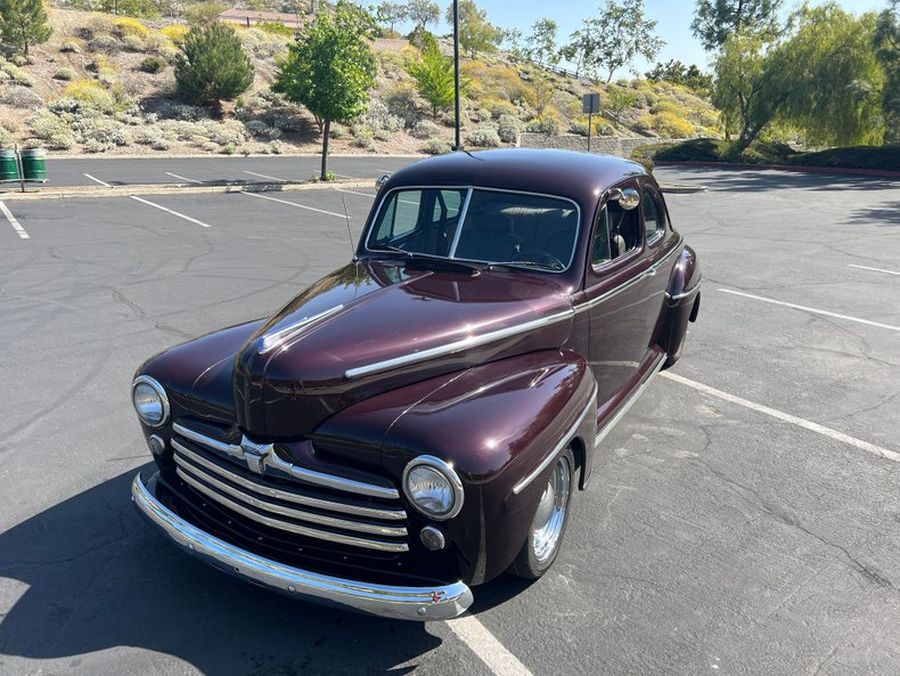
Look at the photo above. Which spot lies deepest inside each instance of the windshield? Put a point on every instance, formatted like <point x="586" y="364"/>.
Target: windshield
<point x="487" y="226"/>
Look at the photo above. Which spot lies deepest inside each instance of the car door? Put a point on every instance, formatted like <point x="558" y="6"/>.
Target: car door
<point x="662" y="245"/>
<point x="618" y="296"/>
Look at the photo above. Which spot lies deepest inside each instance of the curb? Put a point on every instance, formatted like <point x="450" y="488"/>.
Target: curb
<point x="177" y="189"/>
<point x="797" y="168"/>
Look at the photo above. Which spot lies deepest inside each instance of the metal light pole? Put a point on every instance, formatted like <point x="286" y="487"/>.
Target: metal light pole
<point x="458" y="144"/>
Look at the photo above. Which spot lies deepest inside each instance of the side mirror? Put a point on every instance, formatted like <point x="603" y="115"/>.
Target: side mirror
<point x="381" y="180"/>
<point x="628" y="199"/>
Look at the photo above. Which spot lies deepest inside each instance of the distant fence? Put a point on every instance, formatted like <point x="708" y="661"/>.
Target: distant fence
<point x="604" y="145"/>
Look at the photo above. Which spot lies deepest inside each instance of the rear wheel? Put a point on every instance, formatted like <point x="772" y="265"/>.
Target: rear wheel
<point x="548" y="526"/>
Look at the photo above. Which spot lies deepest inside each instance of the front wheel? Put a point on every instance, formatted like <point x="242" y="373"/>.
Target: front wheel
<point x="549" y="523"/>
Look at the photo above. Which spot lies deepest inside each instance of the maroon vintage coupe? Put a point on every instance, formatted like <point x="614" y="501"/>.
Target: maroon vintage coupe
<point x="416" y="422"/>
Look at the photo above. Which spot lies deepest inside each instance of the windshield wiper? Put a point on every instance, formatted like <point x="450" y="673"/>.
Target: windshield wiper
<point x="526" y="264"/>
<point x="421" y="258"/>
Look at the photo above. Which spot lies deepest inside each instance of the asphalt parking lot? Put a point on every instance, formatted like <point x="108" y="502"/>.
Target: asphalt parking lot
<point x="743" y="517"/>
<point x="86" y="171"/>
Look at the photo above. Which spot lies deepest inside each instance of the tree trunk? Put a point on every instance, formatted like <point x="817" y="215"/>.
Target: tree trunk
<point x="327" y="129"/>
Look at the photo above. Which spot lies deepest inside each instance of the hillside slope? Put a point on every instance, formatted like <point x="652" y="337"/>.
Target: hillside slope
<point x="105" y="84"/>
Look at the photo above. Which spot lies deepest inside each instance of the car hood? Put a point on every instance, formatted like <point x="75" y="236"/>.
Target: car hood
<point x="374" y="326"/>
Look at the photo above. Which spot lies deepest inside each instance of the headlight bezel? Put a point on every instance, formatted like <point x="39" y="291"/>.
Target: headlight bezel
<point x="445" y="470"/>
<point x="160" y="391"/>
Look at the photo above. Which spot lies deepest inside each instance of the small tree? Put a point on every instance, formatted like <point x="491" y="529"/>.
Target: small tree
<point x="620" y="33"/>
<point x="476" y="34"/>
<point x="433" y="73"/>
<point x="423" y="12"/>
<point x="676" y="72"/>
<point x="204" y="13"/>
<point x="716" y="20"/>
<point x="213" y="66"/>
<point x="390" y="13"/>
<point x="24" y="23"/>
<point x="542" y="42"/>
<point x="330" y="68"/>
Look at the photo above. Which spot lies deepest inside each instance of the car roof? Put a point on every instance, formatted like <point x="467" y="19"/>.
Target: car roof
<point x="579" y="176"/>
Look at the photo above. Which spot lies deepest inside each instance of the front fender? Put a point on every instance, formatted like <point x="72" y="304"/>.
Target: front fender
<point x="495" y="423"/>
<point x="681" y="304"/>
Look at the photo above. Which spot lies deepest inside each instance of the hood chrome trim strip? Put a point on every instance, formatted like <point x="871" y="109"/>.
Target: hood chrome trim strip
<point x="281" y="337"/>
<point x="458" y="345"/>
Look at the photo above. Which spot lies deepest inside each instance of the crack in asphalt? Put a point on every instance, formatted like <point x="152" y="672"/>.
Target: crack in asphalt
<point x="752" y="497"/>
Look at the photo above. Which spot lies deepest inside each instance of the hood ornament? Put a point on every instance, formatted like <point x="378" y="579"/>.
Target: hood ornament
<point x="255" y="454"/>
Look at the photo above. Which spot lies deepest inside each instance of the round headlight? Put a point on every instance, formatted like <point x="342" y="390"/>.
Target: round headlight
<point x="150" y="401"/>
<point x="433" y="487"/>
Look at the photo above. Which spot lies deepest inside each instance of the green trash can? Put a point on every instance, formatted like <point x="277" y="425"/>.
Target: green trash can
<point x="34" y="165"/>
<point x="9" y="168"/>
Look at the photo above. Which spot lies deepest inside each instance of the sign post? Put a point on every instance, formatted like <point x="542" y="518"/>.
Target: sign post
<point x="590" y="104"/>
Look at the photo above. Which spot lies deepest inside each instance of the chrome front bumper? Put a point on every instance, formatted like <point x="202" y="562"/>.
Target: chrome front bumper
<point x="401" y="603"/>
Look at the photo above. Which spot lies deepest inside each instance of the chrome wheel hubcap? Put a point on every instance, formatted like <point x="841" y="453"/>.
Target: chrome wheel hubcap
<point x="551" y="512"/>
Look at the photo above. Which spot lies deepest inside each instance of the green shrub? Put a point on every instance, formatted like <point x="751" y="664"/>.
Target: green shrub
<point x="21" y="97"/>
<point x="202" y="14"/>
<point x="65" y="74"/>
<point x="72" y="46"/>
<point x="401" y="102"/>
<point x="508" y="128"/>
<point x="425" y="129"/>
<point x="338" y="132"/>
<point x="153" y="64"/>
<point x="92" y="93"/>
<point x="276" y="28"/>
<point x="671" y="125"/>
<point x="437" y="146"/>
<point x="213" y="65"/>
<point x="484" y="136"/>
<point x="132" y="43"/>
<point x="544" y="124"/>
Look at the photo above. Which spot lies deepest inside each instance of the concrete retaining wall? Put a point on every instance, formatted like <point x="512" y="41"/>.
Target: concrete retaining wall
<point x="606" y="145"/>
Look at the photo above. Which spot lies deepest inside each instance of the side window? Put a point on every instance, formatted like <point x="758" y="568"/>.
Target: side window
<point x="654" y="216"/>
<point x="406" y="212"/>
<point x="618" y="232"/>
<point x="600" y="249"/>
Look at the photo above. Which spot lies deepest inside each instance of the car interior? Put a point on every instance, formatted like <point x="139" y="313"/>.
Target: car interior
<point x="618" y="232"/>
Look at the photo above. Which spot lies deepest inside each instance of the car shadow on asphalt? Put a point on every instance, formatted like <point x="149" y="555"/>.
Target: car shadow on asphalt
<point x="96" y="576"/>
<point x="761" y="180"/>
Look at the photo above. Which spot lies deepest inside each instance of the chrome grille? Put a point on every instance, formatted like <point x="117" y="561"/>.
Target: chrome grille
<point x="299" y="506"/>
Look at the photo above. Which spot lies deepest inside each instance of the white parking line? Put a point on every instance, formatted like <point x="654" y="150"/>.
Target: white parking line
<point x="271" y="178"/>
<point x="97" y="180"/>
<point x="812" y="310"/>
<point x="354" y="192"/>
<point x="168" y="211"/>
<point x="293" y="204"/>
<point x="865" y="267"/>
<point x="486" y="646"/>
<point x="183" y="178"/>
<point x="786" y="417"/>
<point x="20" y="231"/>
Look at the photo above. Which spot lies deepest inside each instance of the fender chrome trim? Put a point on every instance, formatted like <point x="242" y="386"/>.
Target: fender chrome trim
<point x="563" y="443"/>
<point x="458" y="345"/>
<point x="441" y="602"/>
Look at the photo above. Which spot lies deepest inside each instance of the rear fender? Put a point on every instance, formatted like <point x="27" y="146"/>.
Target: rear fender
<point x="682" y="302"/>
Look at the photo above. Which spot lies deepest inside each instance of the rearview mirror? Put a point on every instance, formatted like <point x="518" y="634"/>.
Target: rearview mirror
<point x="628" y="199"/>
<point x="381" y="180"/>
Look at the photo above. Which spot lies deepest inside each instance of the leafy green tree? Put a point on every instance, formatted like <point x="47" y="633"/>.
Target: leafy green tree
<point x="676" y="72"/>
<point x="433" y="73"/>
<point x="476" y="34"/>
<point x="577" y="50"/>
<point x="822" y="78"/>
<point x="213" y="66"/>
<point x="887" y="49"/>
<point x="423" y="12"/>
<point x="391" y="13"/>
<point x="542" y="42"/>
<point x="331" y="68"/>
<point x="511" y="38"/>
<point x="715" y="20"/>
<point x="620" y="33"/>
<point x="24" y="23"/>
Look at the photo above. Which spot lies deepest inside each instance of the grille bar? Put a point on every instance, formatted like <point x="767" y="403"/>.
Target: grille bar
<point x="300" y="474"/>
<point x="290" y="512"/>
<point x="267" y="490"/>
<point x="385" y="546"/>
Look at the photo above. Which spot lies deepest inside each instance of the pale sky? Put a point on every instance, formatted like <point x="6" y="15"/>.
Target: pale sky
<point x="673" y="20"/>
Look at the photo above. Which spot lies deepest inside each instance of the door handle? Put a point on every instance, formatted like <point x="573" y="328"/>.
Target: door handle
<point x="651" y="272"/>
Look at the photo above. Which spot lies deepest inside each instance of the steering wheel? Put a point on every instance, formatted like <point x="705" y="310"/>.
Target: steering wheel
<point x="543" y="257"/>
